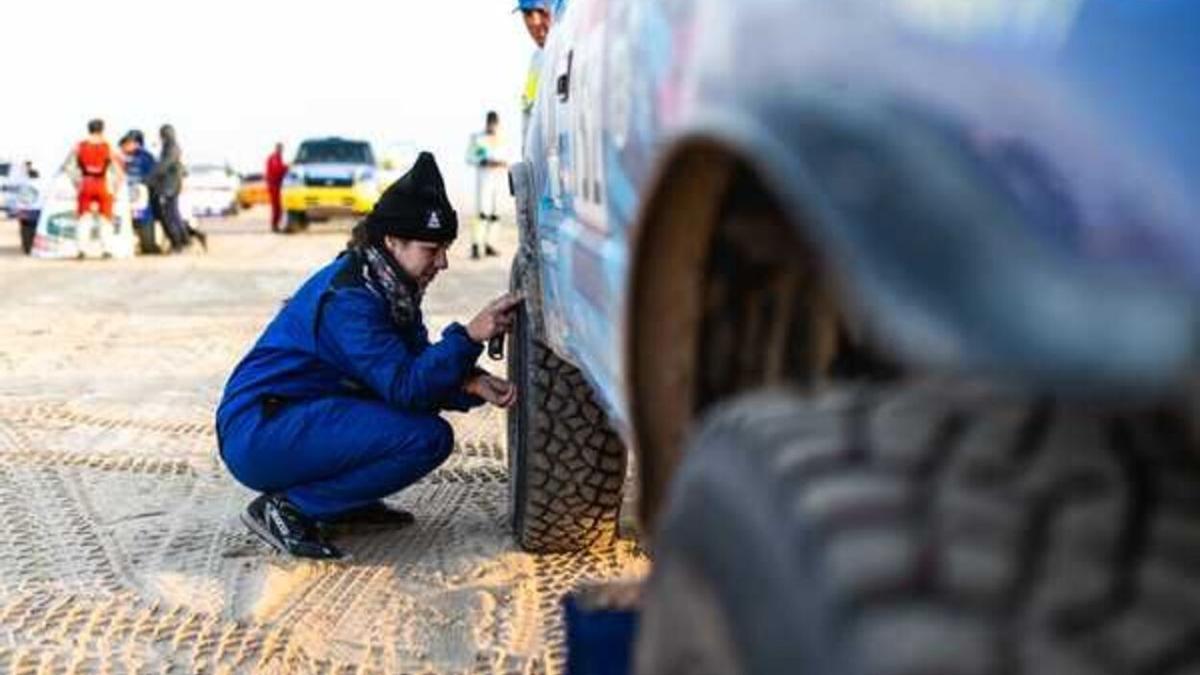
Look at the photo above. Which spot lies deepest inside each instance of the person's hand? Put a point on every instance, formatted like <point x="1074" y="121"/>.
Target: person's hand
<point x="494" y="390"/>
<point x="495" y="319"/>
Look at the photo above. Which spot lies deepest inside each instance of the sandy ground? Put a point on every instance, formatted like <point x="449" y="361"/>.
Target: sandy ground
<point x="120" y="548"/>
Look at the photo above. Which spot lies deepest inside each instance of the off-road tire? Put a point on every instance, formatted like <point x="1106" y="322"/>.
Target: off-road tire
<point x="929" y="529"/>
<point x="566" y="465"/>
<point x="295" y="221"/>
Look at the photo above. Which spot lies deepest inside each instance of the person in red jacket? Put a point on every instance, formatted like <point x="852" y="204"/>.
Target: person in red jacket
<point x="276" y="170"/>
<point x="89" y="164"/>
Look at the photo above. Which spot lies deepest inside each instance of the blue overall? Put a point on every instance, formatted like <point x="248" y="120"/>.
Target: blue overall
<point x="335" y="405"/>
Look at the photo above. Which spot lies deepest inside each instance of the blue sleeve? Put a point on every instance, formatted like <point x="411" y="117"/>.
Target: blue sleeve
<point x="463" y="402"/>
<point x="460" y="400"/>
<point x="360" y="339"/>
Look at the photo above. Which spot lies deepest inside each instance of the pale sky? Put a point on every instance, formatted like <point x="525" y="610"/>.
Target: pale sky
<point x="235" y="76"/>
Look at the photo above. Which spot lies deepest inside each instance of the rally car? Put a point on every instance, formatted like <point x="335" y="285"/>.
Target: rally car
<point x="330" y="177"/>
<point x="55" y="208"/>
<point x="896" y="304"/>
<point x="252" y="190"/>
<point x="8" y="189"/>
<point x="212" y="190"/>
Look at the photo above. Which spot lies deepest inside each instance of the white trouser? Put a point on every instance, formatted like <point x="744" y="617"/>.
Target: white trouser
<point x="488" y="185"/>
<point x="83" y="233"/>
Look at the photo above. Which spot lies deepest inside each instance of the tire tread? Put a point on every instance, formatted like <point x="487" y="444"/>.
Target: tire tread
<point x="998" y="535"/>
<point x="571" y="463"/>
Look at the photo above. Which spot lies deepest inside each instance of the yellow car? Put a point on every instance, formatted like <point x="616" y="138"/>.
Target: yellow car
<point x="330" y="177"/>
<point x="252" y="191"/>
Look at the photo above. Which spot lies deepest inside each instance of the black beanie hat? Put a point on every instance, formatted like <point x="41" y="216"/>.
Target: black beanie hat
<point x="415" y="206"/>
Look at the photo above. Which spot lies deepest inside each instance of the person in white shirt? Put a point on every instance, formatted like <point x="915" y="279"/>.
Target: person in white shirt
<point x="485" y="153"/>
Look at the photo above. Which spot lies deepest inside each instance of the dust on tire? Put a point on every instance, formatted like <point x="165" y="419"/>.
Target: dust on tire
<point x="567" y="465"/>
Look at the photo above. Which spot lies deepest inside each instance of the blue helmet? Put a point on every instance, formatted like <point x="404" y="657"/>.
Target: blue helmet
<point x="530" y="5"/>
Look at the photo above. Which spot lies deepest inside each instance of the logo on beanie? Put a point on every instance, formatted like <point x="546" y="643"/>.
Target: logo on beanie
<point x="434" y="223"/>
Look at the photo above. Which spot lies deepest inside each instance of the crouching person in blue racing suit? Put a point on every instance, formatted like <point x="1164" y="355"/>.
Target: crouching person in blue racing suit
<point x="337" y="404"/>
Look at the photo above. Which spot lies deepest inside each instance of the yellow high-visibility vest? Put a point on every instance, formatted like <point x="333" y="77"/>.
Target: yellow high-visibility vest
<point x="529" y="95"/>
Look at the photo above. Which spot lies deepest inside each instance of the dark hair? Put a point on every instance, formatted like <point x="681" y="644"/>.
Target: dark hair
<point x="360" y="236"/>
<point x="95" y="126"/>
<point x="492" y="117"/>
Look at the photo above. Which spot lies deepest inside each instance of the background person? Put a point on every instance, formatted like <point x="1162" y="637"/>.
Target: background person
<point x="89" y="165"/>
<point x="484" y="152"/>
<point x="537" y="17"/>
<point x="166" y="182"/>
<point x="139" y="163"/>
<point x="275" y="172"/>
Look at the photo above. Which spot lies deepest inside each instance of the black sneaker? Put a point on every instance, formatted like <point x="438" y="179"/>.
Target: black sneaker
<point x="376" y="513"/>
<point x="489" y="251"/>
<point x="279" y="523"/>
<point x="474" y="252"/>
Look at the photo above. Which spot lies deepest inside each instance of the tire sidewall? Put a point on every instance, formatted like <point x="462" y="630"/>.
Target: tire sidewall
<point x="519" y="415"/>
<point x="725" y="526"/>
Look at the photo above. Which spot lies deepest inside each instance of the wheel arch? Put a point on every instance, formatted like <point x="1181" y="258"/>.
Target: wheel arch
<point x="932" y="264"/>
<point x="669" y="245"/>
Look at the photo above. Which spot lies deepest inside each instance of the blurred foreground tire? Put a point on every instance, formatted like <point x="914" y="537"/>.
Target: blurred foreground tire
<point x="928" y="530"/>
<point x="566" y="465"/>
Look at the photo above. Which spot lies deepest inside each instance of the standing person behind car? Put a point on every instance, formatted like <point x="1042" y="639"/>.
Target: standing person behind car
<point x="337" y="404"/>
<point x="139" y="163"/>
<point x="484" y="152"/>
<point x="88" y="165"/>
<point x="276" y="170"/>
<point x="538" y="17"/>
<point x="166" y="182"/>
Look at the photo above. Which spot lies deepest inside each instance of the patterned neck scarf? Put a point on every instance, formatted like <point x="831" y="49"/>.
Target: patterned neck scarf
<point x="387" y="278"/>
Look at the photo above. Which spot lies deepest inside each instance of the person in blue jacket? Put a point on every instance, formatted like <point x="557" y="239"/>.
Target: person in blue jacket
<point x="337" y="404"/>
<point x="139" y="164"/>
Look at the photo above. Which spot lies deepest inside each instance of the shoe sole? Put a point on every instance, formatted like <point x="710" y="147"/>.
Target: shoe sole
<point x="263" y="533"/>
<point x="279" y="547"/>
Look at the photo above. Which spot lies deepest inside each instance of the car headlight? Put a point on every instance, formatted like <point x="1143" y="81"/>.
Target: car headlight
<point x="293" y="178"/>
<point x="366" y="177"/>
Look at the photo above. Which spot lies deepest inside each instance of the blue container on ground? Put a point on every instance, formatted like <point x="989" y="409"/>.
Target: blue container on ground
<point x="599" y="641"/>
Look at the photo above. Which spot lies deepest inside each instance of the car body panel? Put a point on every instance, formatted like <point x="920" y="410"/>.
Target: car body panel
<point x="1049" y="148"/>
<point x="252" y="190"/>
<point x="324" y="183"/>
<point x="55" y="236"/>
<point x="212" y="190"/>
<point x="8" y="189"/>
<point x="328" y="200"/>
